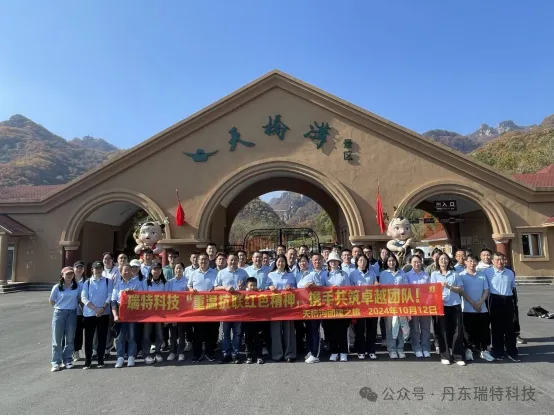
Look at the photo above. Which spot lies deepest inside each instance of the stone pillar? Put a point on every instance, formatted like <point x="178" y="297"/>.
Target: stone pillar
<point x="69" y="252"/>
<point x="502" y="246"/>
<point x="4" y="259"/>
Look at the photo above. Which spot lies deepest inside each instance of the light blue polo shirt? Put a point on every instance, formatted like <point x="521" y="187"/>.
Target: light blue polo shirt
<point x="228" y="277"/>
<point x="120" y="285"/>
<point x="140" y="283"/>
<point x="459" y="268"/>
<point x="145" y="270"/>
<point x="260" y="275"/>
<point x="392" y="278"/>
<point x="452" y="277"/>
<point x="318" y="278"/>
<point x="300" y="275"/>
<point x="80" y="289"/>
<point x="337" y="278"/>
<point x="474" y="286"/>
<point x="501" y="282"/>
<point x="348" y="268"/>
<point x="202" y="281"/>
<point x="414" y="278"/>
<point x="66" y="298"/>
<point x="376" y="268"/>
<point x="177" y="284"/>
<point x="154" y="287"/>
<point x="281" y="279"/>
<point x="360" y="278"/>
<point x="98" y="292"/>
<point x="189" y="270"/>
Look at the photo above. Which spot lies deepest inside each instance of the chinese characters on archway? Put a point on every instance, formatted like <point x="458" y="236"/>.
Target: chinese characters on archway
<point x="318" y="133"/>
<point x="318" y="303"/>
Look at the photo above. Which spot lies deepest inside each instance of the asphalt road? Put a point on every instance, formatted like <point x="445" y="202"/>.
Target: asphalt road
<point x="28" y="386"/>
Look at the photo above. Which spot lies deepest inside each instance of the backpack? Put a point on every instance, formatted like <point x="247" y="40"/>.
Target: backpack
<point x="540" y="312"/>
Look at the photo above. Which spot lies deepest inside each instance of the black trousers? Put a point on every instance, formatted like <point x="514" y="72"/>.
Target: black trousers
<point x="335" y="335"/>
<point x="366" y="333"/>
<point x="476" y="330"/>
<point x="517" y="328"/>
<point x="300" y="329"/>
<point x="180" y="331"/>
<point x="139" y="330"/>
<point x="449" y="332"/>
<point x="383" y="329"/>
<point x="254" y="336"/>
<point x="207" y="332"/>
<point x="501" y="310"/>
<point x="96" y="324"/>
<point x="79" y="332"/>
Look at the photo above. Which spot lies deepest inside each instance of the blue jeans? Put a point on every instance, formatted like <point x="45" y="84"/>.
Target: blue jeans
<point x="236" y="327"/>
<point x="312" y="336"/>
<point x="126" y="330"/>
<point x="64" y="324"/>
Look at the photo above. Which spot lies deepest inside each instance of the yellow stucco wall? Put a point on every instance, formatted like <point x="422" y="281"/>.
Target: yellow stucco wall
<point x="377" y="159"/>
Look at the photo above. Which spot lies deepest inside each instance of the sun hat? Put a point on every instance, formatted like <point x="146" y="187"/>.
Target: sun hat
<point x="334" y="256"/>
<point x="134" y="263"/>
<point x="67" y="269"/>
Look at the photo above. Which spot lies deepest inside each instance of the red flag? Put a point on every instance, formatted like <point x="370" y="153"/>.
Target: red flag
<point x="180" y="215"/>
<point x="380" y="219"/>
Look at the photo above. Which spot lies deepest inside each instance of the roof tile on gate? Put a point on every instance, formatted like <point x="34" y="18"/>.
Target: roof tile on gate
<point x="13" y="227"/>
<point x="26" y="192"/>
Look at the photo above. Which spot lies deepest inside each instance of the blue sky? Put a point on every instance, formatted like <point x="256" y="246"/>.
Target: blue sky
<point x="125" y="70"/>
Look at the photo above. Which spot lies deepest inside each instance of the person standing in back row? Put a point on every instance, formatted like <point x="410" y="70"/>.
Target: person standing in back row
<point x="96" y="297"/>
<point x="501" y="309"/>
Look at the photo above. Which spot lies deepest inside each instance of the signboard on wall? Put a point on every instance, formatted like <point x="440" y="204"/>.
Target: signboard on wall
<point x="445" y="206"/>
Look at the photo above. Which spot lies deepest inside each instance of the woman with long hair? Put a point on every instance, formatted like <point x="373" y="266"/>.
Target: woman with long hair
<point x="420" y="326"/>
<point x="449" y="327"/>
<point x="64" y="298"/>
<point x="282" y="332"/>
<point x="155" y="283"/>
<point x="365" y="328"/>
<point x="141" y="280"/>
<point x="79" y="269"/>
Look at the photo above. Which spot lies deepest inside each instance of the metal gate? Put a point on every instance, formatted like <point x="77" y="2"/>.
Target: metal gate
<point x="268" y="239"/>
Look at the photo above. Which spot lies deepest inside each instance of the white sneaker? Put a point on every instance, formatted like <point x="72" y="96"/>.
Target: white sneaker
<point x="265" y="351"/>
<point x="419" y="354"/>
<point x="334" y="357"/>
<point x="308" y="355"/>
<point x="343" y="358"/>
<point x="401" y="355"/>
<point x="372" y="356"/>
<point x="461" y="362"/>
<point x="445" y="361"/>
<point x="438" y="350"/>
<point x="393" y="355"/>
<point x="159" y="358"/>
<point x="188" y="346"/>
<point x="149" y="360"/>
<point x="131" y="361"/>
<point x="75" y="356"/>
<point x="426" y="354"/>
<point x="170" y="357"/>
<point x="119" y="363"/>
<point x="69" y="366"/>
<point x="312" y="360"/>
<point x="55" y="367"/>
<point x="361" y="356"/>
<point x="181" y="357"/>
<point x="152" y="349"/>
<point x="485" y="355"/>
<point x="469" y="355"/>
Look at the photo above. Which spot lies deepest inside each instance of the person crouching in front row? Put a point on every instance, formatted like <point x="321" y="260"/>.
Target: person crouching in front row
<point x="253" y="331"/>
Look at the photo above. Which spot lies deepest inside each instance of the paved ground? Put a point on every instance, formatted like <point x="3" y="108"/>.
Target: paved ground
<point x="28" y="386"/>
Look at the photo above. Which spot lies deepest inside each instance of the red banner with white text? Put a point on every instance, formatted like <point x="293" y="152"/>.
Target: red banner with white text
<point x="314" y="303"/>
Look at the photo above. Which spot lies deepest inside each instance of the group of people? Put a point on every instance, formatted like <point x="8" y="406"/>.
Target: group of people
<point x="479" y="295"/>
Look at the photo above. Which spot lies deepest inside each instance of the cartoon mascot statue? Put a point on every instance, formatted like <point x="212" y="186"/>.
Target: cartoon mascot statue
<point x="400" y="230"/>
<point x="147" y="235"/>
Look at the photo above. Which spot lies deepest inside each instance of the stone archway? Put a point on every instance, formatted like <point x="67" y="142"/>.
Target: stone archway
<point x="232" y="185"/>
<point x="493" y="210"/>
<point x="70" y="234"/>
